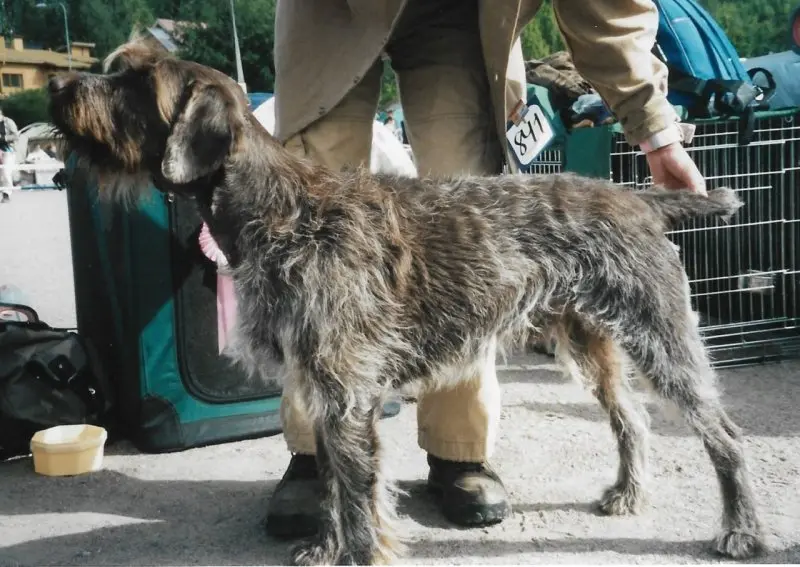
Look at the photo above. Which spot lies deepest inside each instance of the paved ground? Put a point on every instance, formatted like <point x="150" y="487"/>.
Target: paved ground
<point x="555" y="453"/>
<point x="35" y="253"/>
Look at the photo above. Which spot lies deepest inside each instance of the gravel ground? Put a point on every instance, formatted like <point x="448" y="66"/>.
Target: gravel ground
<point x="555" y="454"/>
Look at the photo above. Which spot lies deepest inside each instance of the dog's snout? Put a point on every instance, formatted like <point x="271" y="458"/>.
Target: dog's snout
<point x="60" y="82"/>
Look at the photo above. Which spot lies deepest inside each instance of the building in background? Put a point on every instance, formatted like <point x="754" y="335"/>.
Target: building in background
<point x="22" y="68"/>
<point x="165" y="35"/>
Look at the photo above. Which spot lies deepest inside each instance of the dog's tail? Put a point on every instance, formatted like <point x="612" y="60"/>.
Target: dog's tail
<point x="679" y="206"/>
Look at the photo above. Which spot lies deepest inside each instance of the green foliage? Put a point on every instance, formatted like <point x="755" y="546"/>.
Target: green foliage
<point x="107" y="24"/>
<point x="756" y="27"/>
<point x="213" y="45"/>
<point x="26" y="107"/>
<point x="542" y="37"/>
<point x="389" y="91"/>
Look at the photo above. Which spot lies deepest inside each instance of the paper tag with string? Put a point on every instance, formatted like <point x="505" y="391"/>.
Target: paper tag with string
<point x="530" y="132"/>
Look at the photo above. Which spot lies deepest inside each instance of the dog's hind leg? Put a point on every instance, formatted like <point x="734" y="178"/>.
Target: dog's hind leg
<point x="596" y="360"/>
<point x="355" y="527"/>
<point x="671" y="356"/>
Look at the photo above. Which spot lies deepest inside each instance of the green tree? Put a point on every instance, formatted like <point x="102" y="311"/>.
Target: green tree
<point x="212" y="44"/>
<point x="389" y="91"/>
<point x="104" y="23"/>
<point x="757" y="27"/>
<point x="27" y="106"/>
<point x="541" y="36"/>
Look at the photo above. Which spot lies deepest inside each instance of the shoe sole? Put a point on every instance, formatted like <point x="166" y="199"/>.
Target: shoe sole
<point x="472" y="515"/>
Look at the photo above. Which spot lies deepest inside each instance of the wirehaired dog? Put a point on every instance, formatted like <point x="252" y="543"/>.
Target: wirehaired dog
<point x="361" y="283"/>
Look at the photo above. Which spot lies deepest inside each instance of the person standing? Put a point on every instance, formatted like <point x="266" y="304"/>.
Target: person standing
<point x="9" y="134"/>
<point x="460" y="74"/>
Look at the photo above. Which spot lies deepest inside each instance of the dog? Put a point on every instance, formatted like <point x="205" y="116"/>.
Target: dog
<point x="360" y="284"/>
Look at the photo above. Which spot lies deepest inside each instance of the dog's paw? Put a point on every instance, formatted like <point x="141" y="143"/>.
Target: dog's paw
<point x="313" y="552"/>
<point x="739" y="544"/>
<point x="621" y="500"/>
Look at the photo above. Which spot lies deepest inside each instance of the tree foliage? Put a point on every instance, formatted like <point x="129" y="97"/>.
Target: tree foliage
<point x="756" y="27"/>
<point x="213" y="44"/>
<point x="104" y="23"/>
<point x="541" y="37"/>
<point x="26" y="107"/>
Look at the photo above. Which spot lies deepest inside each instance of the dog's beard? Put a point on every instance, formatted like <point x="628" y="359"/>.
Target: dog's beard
<point x="117" y="187"/>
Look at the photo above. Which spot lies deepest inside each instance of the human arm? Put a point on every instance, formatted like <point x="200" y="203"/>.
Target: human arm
<point x="611" y="45"/>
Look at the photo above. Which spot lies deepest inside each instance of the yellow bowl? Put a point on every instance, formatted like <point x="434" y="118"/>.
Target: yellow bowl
<point x="68" y="450"/>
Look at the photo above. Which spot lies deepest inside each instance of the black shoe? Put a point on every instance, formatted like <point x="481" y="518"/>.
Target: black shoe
<point x="294" y="508"/>
<point x="471" y="493"/>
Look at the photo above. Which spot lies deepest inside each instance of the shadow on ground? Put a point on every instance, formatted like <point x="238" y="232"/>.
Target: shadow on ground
<point x="416" y="502"/>
<point x="760" y="399"/>
<point x="166" y="522"/>
<point x="626" y="547"/>
<point x="122" y="520"/>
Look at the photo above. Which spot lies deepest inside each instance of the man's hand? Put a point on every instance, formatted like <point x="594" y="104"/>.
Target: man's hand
<point x="672" y="168"/>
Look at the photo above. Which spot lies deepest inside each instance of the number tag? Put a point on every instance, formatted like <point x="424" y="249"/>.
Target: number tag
<point x="532" y="135"/>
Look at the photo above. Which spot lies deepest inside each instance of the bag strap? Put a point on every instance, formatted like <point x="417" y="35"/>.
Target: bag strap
<point x="703" y="89"/>
<point x="769" y="90"/>
<point x="678" y="79"/>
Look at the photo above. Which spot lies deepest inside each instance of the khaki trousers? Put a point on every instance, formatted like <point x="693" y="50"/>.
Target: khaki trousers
<point x="436" y="54"/>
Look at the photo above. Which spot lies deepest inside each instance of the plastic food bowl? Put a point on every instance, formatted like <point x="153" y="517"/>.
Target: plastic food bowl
<point x="68" y="450"/>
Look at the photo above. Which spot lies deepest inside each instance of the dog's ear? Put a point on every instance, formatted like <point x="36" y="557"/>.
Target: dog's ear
<point x="134" y="54"/>
<point x="205" y="130"/>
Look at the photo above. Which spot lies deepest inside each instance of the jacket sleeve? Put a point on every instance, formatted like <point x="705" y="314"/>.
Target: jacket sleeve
<point x="611" y="45"/>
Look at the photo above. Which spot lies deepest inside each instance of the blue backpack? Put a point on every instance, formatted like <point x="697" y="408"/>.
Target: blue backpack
<point x="705" y="74"/>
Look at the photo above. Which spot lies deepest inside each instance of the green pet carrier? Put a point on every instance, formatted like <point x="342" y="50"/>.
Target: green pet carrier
<point x="146" y="299"/>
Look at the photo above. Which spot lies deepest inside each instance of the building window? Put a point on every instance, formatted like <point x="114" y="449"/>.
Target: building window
<point x="13" y="81"/>
<point x="9" y="41"/>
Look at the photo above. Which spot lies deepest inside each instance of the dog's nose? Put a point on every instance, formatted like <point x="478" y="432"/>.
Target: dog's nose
<point x="60" y="82"/>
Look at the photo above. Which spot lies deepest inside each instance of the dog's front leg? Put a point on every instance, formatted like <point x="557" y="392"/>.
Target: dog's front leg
<point x="356" y="512"/>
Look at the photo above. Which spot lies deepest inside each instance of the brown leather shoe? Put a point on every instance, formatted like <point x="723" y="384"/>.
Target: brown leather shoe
<point x="294" y="508"/>
<point x="471" y="493"/>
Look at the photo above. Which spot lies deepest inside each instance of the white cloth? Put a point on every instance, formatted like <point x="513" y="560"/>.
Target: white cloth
<point x="388" y="153"/>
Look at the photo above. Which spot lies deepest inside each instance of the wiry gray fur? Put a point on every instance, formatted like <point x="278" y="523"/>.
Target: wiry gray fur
<point x="360" y="283"/>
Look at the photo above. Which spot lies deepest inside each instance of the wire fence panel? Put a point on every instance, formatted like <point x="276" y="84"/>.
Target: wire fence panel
<point x="744" y="274"/>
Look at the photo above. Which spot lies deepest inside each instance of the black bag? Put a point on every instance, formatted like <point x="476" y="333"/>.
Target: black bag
<point x="48" y="377"/>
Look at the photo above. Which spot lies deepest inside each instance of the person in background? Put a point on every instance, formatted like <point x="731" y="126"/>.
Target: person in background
<point x="9" y="134"/>
<point x="460" y="74"/>
<point x="51" y="151"/>
<point x="392" y="125"/>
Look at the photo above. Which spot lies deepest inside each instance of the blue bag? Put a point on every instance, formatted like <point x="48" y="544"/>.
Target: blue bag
<point x="706" y="76"/>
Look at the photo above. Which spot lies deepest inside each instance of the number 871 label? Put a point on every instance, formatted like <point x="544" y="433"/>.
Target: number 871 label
<point x="530" y="136"/>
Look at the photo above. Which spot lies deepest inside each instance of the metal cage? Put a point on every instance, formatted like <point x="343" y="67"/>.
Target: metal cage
<point x="744" y="274"/>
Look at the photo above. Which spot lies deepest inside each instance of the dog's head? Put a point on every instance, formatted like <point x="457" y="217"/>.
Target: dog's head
<point x="150" y="114"/>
